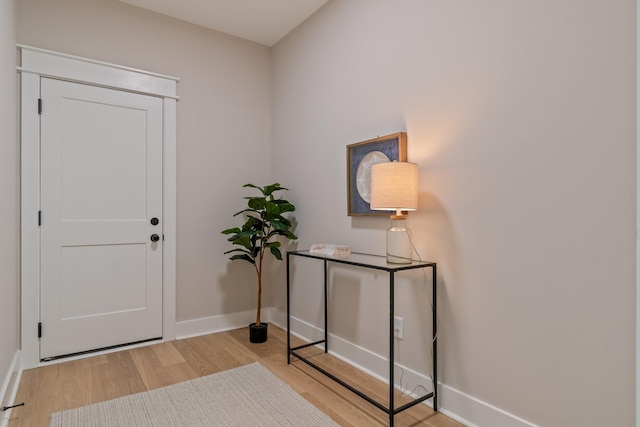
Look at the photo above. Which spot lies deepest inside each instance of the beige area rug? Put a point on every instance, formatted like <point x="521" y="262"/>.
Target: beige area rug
<point x="247" y="396"/>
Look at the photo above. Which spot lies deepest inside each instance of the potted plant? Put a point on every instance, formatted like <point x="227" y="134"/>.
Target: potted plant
<point x="258" y="236"/>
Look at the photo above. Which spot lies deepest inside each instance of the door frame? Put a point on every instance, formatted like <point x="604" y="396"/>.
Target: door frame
<point x="34" y="64"/>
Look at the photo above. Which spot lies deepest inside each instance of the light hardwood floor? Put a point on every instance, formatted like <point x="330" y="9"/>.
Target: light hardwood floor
<point x="77" y="383"/>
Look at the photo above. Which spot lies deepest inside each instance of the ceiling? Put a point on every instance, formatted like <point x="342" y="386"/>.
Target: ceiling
<point x="261" y="21"/>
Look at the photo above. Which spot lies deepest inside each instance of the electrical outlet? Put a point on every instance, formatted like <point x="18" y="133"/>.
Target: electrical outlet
<point x="398" y="327"/>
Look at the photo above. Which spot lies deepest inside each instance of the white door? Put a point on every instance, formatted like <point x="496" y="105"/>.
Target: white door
<point x="101" y="186"/>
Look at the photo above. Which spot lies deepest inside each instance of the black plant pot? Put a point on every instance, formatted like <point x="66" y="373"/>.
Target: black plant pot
<point x="258" y="333"/>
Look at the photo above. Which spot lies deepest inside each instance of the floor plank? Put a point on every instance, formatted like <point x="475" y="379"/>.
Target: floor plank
<point x="67" y="385"/>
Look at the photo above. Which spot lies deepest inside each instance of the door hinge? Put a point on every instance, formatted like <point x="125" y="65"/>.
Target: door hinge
<point x="39" y="105"/>
<point x="39" y="218"/>
<point x="39" y="329"/>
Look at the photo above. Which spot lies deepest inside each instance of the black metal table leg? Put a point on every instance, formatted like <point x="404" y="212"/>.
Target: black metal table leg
<point x="288" y="315"/>
<point x="435" y="338"/>
<point x="391" y="352"/>
<point x="326" y="321"/>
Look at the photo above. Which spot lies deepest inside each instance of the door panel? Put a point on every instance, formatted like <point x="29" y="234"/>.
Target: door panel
<point x="101" y="183"/>
<point x="91" y="287"/>
<point x="104" y="175"/>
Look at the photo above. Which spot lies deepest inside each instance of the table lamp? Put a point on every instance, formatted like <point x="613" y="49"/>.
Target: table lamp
<point x="394" y="187"/>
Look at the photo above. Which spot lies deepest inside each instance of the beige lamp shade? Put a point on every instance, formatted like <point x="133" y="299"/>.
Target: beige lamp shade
<point x="394" y="186"/>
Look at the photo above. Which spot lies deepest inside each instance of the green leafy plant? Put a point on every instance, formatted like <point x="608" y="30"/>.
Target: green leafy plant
<point x="264" y="223"/>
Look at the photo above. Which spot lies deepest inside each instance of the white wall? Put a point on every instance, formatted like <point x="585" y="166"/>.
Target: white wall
<point x="521" y="116"/>
<point x="9" y="223"/>
<point x="223" y="125"/>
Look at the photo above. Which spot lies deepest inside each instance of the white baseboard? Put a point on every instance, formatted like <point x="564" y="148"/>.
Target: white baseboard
<point x="221" y="323"/>
<point x="474" y="412"/>
<point x="455" y="404"/>
<point x="9" y="389"/>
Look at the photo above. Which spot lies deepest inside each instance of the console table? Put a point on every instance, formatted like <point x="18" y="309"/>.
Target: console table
<point x="377" y="263"/>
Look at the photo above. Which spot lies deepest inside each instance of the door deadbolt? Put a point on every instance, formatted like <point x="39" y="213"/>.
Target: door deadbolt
<point x="155" y="221"/>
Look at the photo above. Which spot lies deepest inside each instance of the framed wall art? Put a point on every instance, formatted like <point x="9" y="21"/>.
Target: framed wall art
<point x="360" y="157"/>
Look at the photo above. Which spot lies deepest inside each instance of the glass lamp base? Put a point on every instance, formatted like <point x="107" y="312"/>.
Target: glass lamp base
<point x="398" y="242"/>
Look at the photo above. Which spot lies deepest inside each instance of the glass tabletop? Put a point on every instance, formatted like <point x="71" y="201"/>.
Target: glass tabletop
<point x="366" y="260"/>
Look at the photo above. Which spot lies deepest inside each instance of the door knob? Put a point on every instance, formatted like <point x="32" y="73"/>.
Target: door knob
<point x="155" y="237"/>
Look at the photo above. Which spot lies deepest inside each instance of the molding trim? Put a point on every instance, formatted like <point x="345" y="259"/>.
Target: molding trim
<point x="48" y="63"/>
<point x="220" y="323"/>
<point x="474" y="412"/>
<point x="9" y="388"/>
<point x="455" y="404"/>
<point x="34" y="63"/>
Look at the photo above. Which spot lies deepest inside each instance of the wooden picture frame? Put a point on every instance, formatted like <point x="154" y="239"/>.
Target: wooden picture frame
<point x="360" y="157"/>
